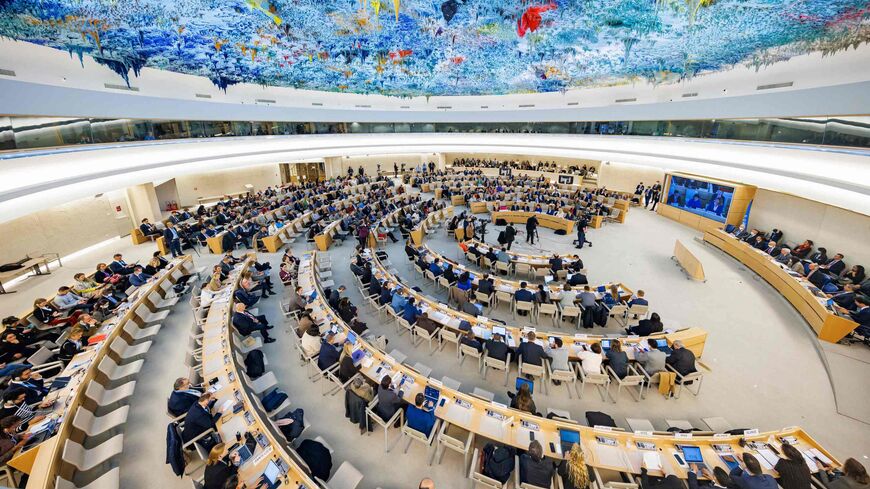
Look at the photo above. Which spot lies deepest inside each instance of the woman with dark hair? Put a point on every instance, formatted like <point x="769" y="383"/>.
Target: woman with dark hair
<point x="792" y="469"/>
<point x="523" y="401"/>
<point x="646" y="327"/>
<point x="855" y="275"/>
<point x="854" y="476"/>
<point x="346" y="310"/>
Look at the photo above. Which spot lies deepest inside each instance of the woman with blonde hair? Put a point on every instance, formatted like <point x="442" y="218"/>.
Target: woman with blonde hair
<point x="346" y="368"/>
<point x="219" y="468"/>
<point x="573" y="470"/>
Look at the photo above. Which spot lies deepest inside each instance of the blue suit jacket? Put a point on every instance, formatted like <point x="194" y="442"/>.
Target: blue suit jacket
<point x="525" y="295"/>
<point x="246" y="297"/>
<point x="180" y="402"/>
<point x="198" y="421"/>
<point x="244" y="323"/>
<point x="140" y="279"/>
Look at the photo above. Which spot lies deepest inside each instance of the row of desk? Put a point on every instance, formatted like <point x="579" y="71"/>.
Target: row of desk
<point x="604" y="448"/>
<point x="43" y="462"/>
<point x="324" y="239"/>
<point x="532" y="260"/>
<point x="796" y="289"/>
<point x="693" y="338"/>
<point x="420" y="230"/>
<point x="219" y="362"/>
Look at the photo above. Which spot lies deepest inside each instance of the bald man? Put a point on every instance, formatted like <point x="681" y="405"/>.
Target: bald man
<point x="427" y="484"/>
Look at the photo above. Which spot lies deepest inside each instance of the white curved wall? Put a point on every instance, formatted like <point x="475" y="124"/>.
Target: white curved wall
<point x="30" y="181"/>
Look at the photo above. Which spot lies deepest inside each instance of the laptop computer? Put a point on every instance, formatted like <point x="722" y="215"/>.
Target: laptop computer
<point x="567" y="439"/>
<point x="692" y="455"/>
<point x="244" y="454"/>
<point x="499" y="330"/>
<point x="520" y="381"/>
<point x="272" y="475"/>
<point x="662" y="345"/>
<point x="357" y="356"/>
<point x="605" y="345"/>
<point x="351" y="337"/>
<point x="602" y="288"/>
<point x="432" y="395"/>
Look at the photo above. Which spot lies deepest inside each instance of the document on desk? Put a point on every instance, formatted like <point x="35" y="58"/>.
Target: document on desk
<point x="652" y="461"/>
<point x="235" y="424"/>
<point x="768" y="459"/>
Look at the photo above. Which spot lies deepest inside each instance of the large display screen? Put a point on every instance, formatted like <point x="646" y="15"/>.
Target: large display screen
<point x="707" y="199"/>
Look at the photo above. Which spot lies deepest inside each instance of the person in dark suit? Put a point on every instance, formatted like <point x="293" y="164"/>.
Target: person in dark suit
<point x="617" y="359"/>
<point x="329" y="354"/>
<point x="73" y="344"/>
<point x="469" y="339"/>
<point x="578" y="279"/>
<point x="681" y="359"/>
<point x="386" y="295"/>
<point x="835" y="265"/>
<point x="861" y="314"/>
<point x="524" y="294"/>
<point x="484" y="285"/>
<point x="200" y="419"/>
<point x="119" y="266"/>
<point x="638" y="300"/>
<point x="375" y="287"/>
<point x="497" y="348"/>
<point x="510" y="233"/>
<point x="388" y="401"/>
<point x="556" y="264"/>
<point x="759" y="243"/>
<point x="771" y="248"/>
<point x="184" y="395"/>
<point x="531" y="229"/>
<point x="846" y="298"/>
<point x="229" y="240"/>
<point x="816" y="276"/>
<point x="530" y="351"/>
<point x="246" y="323"/>
<point x="139" y="277"/>
<point x="646" y="327"/>
<point x="245" y="297"/>
<point x="335" y="296"/>
<point x="173" y="239"/>
<point x="148" y="229"/>
<point x="534" y="468"/>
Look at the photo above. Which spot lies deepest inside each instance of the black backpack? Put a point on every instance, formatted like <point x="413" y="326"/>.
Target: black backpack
<point x="254" y="364"/>
<point x="498" y="462"/>
<point x="600" y="315"/>
<point x="597" y="418"/>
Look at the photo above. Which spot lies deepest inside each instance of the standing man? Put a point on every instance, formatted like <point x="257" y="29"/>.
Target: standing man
<point x="395" y="169"/>
<point x="510" y="233"/>
<point x="531" y="229"/>
<point x="581" y="231"/>
<point x="173" y="239"/>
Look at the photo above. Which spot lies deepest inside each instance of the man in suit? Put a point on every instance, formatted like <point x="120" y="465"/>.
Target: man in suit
<point x="510" y="233"/>
<point x="638" y="300"/>
<point x="184" y="395"/>
<point x="531" y="229"/>
<point x="524" y="294"/>
<point x="119" y="266"/>
<point x="497" y="348"/>
<point x="245" y="297"/>
<point x="173" y="239"/>
<point x="681" y="359"/>
<point x="335" y="296"/>
<point x="200" y="419"/>
<point x="530" y="351"/>
<point x="653" y="360"/>
<point x="246" y="323"/>
<point x="587" y="297"/>
<point x="556" y="264"/>
<point x="139" y="277"/>
<point x="861" y="314"/>
<point x="846" y="298"/>
<point x="784" y="256"/>
<point x="386" y="296"/>
<point x="484" y="285"/>
<point x="835" y="266"/>
<point x="771" y="248"/>
<point x="759" y="243"/>
<point x="816" y="276"/>
<point x="147" y="228"/>
<point x="329" y="352"/>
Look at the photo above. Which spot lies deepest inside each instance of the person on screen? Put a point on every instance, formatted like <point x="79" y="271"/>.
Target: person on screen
<point x="717" y="206"/>
<point x="677" y="199"/>
<point x="695" y="202"/>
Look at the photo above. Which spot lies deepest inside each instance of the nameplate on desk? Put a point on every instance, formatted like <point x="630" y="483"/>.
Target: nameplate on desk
<point x="721" y="435"/>
<point x="580" y="336"/>
<point x="598" y="427"/>
<point x="530" y="426"/>
<point x="643" y="433"/>
<point x="751" y="432"/>
<point x="683" y="436"/>
<point x="463" y="403"/>
<point x="262" y="455"/>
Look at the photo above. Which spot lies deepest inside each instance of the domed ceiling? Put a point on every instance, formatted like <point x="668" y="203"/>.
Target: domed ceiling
<point x="437" y="47"/>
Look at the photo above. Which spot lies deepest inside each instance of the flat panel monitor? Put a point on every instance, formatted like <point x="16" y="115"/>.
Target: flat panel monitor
<point x="706" y="199"/>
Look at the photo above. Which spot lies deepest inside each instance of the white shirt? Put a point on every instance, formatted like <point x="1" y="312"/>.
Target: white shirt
<point x="310" y="344"/>
<point x="590" y="361"/>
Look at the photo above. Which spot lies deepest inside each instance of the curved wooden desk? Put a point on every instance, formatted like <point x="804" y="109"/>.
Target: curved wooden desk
<point x="545" y="220"/>
<point x="324" y="239"/>
<point x="219" y="362"/>
<point x="824" y="321"/>
<point x="43" y="462"/>
<point x="534" y="261"/>
<point x="499" y="423"/>
<point x="423" y="226"/>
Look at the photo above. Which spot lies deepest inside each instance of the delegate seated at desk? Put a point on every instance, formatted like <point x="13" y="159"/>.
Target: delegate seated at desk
<point x="420" y="418"/>
<point x="184" y="395"/>
<point x="652" y="361"/>
<point x="201" y="418"/>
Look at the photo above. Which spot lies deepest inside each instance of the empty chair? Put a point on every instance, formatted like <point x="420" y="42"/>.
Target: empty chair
<point x="262" y="383"/>
<point x="450" y="383"/>
<point x="448" y="336"/>
<point x="161" y="303"/>
<point x="528" y="307"/>
<point x="424" y="370"/>
<point x="134" y="334"/>
<point x="346" y="477"/>
<point x="454" y="438"/>
<point x="109" y="397"/>
<point x="468" y="351"/>
<point x="127" y="353"/>
<point x="84" y="459"/>
<point x="680" y="424"/>
<point x="547" y="310"/>
<point x="483" y="394"/>
<point x="422" y="334"/>
<point x="398" y="356"/>
<point x="148" y="317"/>
<point x="109" y="480"/>
<point x="569" y="312"/>
<point x="95" y="426"/>
<point x="116" y="374"/>
<point x="717" y="424"/>
<point x="640" y="424"/>
<point x="561" y="413"/>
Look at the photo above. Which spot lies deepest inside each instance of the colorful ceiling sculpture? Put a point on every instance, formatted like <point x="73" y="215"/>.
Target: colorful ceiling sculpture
<point x="437" y="47"/>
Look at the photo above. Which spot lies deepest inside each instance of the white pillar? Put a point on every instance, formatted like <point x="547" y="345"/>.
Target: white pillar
<point x="143" y="203"/>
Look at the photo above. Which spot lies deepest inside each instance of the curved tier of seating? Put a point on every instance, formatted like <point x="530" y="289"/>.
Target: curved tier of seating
<point x="90" y="409"/>
<point x="221" y="366"/>
<point x="463" y="417"/>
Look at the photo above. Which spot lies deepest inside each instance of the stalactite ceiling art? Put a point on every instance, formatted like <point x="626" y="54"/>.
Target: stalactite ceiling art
<point x="437" y="47"/>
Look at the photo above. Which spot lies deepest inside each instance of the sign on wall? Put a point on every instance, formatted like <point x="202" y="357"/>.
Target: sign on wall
<point x="566" y="179"/>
